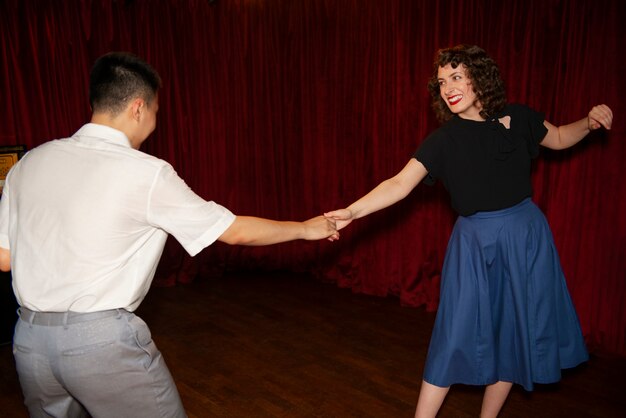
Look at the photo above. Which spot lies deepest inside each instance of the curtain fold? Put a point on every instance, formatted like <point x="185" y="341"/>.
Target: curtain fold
<point x="286" y="109"/>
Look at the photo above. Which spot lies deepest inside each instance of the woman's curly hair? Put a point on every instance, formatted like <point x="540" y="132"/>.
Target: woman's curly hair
<point x="483" y="72"/>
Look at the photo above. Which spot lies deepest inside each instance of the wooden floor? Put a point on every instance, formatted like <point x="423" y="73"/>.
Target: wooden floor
<point x="279" y="346"/>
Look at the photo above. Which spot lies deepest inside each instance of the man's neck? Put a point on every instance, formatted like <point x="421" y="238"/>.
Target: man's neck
<point x="117" y="122"/>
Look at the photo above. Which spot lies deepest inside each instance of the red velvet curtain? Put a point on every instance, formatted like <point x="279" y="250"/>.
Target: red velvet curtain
<point x="285" y="109"/>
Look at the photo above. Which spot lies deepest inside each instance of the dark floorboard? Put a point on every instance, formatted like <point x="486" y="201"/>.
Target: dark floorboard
<point x="289" y="346"/>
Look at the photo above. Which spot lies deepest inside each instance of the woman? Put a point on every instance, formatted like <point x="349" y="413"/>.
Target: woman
<point x="505" y="315"/>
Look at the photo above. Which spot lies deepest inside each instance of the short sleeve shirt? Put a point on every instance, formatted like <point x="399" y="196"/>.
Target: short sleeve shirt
<point x="484" y="165"/>
<point x="86" y="219"/>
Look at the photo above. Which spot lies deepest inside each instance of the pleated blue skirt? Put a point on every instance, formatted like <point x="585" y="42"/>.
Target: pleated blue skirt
<point x="505" y="313"/>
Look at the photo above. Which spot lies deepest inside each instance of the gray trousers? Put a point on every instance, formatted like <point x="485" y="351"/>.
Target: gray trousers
<point x="101" y="364"/>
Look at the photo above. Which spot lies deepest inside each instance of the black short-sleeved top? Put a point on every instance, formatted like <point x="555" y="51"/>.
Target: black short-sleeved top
<point x="483" y="165"/>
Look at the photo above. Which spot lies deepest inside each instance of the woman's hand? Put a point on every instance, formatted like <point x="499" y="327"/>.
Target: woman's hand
<point x="600" y="115"/>
<point x="342" y="217"/>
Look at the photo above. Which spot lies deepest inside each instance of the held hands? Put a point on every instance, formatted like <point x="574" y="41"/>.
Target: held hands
<point x="327" y="226"/>
<point x="600" y="115"/>
<point x="320" y="227"/>
<point x="342" y="217"/>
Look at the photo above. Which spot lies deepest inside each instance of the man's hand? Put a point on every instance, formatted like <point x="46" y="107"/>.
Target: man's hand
<point x="320" y="227"/>
<point x="342" y="217"/>
<point x="5" y="259"/>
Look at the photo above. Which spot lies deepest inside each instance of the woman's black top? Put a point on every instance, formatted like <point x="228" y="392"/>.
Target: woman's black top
<point x="483" y="165"/>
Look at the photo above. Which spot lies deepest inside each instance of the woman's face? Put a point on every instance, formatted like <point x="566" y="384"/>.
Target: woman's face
<point x="456" y="90"/>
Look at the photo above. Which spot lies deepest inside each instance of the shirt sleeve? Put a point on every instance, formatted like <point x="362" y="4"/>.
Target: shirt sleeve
<point x="535" y="129"/>
<point x="175" y="208"/>
<point x="430" y="154"/>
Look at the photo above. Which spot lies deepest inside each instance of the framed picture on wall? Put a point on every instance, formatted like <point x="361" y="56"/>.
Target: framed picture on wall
<point x="9" y="154"/>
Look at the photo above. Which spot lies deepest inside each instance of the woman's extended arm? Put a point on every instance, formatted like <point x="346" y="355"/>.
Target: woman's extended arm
<point x="385" y="194"/>
<point x="566" y="136"/>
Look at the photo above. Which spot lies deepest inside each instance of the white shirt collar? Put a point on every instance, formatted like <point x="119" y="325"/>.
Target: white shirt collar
<point x="103" y="133"/>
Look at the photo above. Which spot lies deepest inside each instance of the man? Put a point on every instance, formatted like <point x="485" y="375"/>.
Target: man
<point x="83" y="223"/>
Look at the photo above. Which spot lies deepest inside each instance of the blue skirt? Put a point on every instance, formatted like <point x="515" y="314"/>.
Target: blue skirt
<point x="505" y="313"/>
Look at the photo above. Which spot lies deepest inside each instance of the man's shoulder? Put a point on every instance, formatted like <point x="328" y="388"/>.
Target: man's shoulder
<point x="96" y="150"/>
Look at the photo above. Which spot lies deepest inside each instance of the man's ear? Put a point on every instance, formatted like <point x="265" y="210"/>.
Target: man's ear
<point x="136" y="108"/>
